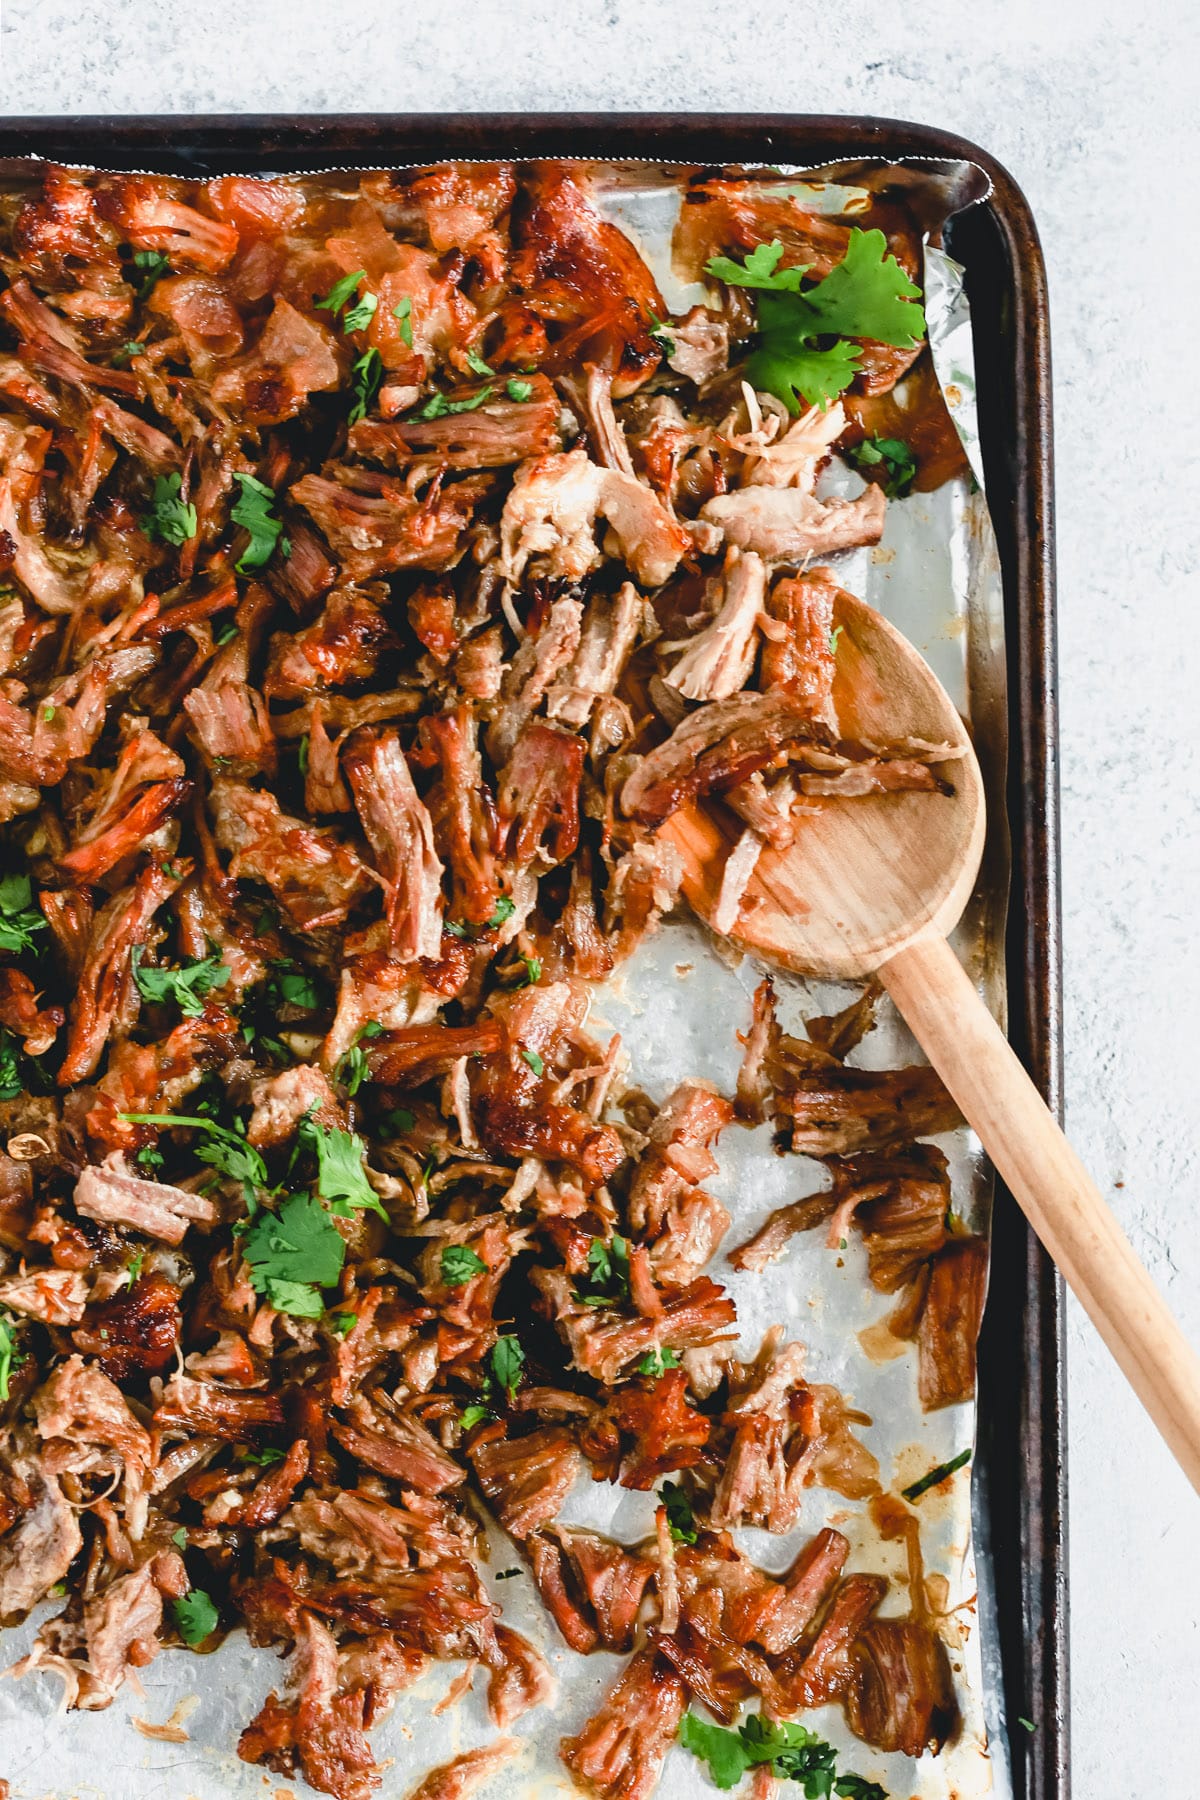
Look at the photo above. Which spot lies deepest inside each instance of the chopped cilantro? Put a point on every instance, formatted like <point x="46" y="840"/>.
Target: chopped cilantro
<point x="366" y="379"/>
<point x="134" y="1265"/>
<point x="148" y="1157"/>
<point x="519" y="390"/>
<point x="460" y="1264"/>
<point x="531" y="971"/>
<point x="680" y="1517"/>
<point x="658" y="1362"/>
<point x="10" y="1357"/>
<point x="866" y="295"/>
<point x="19" y="918"/>
<point x="402" y="313"/>
<point x="535" y="1062"/>
<point x="506" y="1361"/>
<point x="477" y="365"/>
<point x="195" y="1616"/>
<point x="252" y="511"/>
<point x="153" y="265"/>
<point x="916" y="1488"/>
<point x="128" y="350"/>
<point x="262" y="1459"/>
<point x="1026" y="1724"/>
<point x="352" y="1069"/>
<point x="341" y="1177"/>
<point x="359" y="316"/>
<point x="341" y="291"/>
<point x="894" y="457"/>
<point x="473" y="1415"/>
<point x="49" y="713"/>
<point x="292" y="1253"/>
<point x="226" y="1150"/>
<point x="663" y="334"/>
<point x="793" y="1753"/>
<point x="438" y="407"/>
<point x="179" y="1537"/>
<point x="835" y="638"/>
<point x="343" y="1323"/>
<point x="288" y="984"/>
<point x="171" y="519"/>
<point x="11" y="1084"/>
<point x="607" y="1279"/>
<point x="504" y="909"/>
<point x="186" y="985"/>
<point x="397" y="1122"/>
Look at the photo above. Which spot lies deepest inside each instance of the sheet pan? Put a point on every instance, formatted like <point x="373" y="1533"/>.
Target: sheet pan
<point x="1010" y="340"/>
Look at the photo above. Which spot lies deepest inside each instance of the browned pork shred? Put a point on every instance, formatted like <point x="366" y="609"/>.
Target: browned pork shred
<point x="379" y="567"/>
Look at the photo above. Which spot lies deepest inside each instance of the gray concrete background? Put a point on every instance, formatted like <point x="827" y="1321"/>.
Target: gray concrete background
<point x="1093" y="108"/>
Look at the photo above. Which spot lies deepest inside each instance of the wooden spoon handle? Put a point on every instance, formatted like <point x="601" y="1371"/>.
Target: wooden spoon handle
<point x="1051" y="1185"/>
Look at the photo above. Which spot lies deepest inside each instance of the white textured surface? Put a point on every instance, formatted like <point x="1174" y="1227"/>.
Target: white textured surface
<point x="1093" y="109"/>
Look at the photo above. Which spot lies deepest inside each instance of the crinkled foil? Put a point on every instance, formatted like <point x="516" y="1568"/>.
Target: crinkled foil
<point x="677" y="1006"/>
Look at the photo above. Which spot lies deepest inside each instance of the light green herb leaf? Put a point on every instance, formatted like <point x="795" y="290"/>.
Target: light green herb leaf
<point x="195" y="1616"/>
<point x="536" y="1063"/>
<point x="366" y="379"/>
<point x="359" y="316"/>
<point x="152" y="266"/>
<point x="341" y="1177"/>
<point x="473" y="1415"/>
<point x="460" y="1264"/>
<point x="894" y="457"/>
<point x="477" y="365"/>
<point x="658" y="1362"/>
<point x="252" y="511"/>
<point x="341" y="291"/>
<point x="171" y="519"/>
<point x="917" y="1488"/>
<point x="506" y="1361"/>
<point x="402" y="311"/>
<point x="519" y="390"/>
<point x="292" y="1252"/>
<point x="186" y="985"/>
<point x="19" y="918"/>
<point x="680" y="1517"/>
<point x="10" y="1356"/>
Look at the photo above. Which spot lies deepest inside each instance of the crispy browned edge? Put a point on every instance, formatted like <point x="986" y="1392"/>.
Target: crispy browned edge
<point x="1022" y="1425"/>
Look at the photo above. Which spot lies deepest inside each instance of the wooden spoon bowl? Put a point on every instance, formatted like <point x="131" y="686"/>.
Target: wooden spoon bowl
<point x="865" y="875"/>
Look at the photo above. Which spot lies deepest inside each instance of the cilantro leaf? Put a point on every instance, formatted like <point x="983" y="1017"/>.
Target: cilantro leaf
<point x="179" y="1537"/>
<point x="10" y="1357"/>
<point x="519" y="390"/>
<point x="680" y="1517"/>
<point x="397" y="1122"/>
<point x="352" y="1069"/>
<point x="866" y="295"/>
<point x="536" y="1063"/>
<point x="11" y="1084"/>
<point x="531" y="972"/>
<point x="262" y="1459"/>
<point x="341" y="1177"/>
<point x="657" y="1362"/>
<point x="477" y="365"/>
<point x="366" y="379"/>
<point x="473" y="1415"/>
<point x="171" y="519"/>
<point x="293" y="1252"/>
<point x="402" y="313"/>
<point x="341" y="291"/>
<point x="252" y="510"/>
<point x="722" y="1750"/>
<point x="153" y="265"/>
<point x="460" y="1264"/>
<point x="787" y="367"/>
<point x="853" y="1787"/>
<point x="19" y="918"/>
<point x="343" y="1323"/>
<point x="288" y="984"/>
<point x="607" y="1279"/>
<point x="916" y="1488"/>
<point x="186" y="985"/>
<point x="195" y="1616"/>
<point x="506" y="1361"/>
<point x="439" y="407"/>
<point x="226" y="1150"/>
<point x="359" y="316"/>
<point x="894" y="457"/>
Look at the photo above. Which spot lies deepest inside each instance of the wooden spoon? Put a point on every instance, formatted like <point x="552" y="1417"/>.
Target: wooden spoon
<point x="873" y="885"/>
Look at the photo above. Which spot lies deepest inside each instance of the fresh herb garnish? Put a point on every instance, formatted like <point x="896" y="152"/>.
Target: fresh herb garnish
<point x="835" y="638"/>
<point x="148" y="1157"/>
<point x="439" y="407"/>
<point x="506" y="1361"/>
<point x="916" y="1488"/>
<point x="341" y="292"/>
<point x="531" y="971"/>
<point x="504" y="909"/>
<point x="171" y="519"/>
<point x="128" y="350"/>
<point x="893" y="455"/>
<point x="153" y="265"/>
<point x="366" y="379"/>
<point x="262" y="1459"/>
<point x="1026" y="1724"/>
<point x="10" y="1357"/>
<point x="293" y="1253"/>
<point x="195" y="1616"/>
<point x="226" y="1150"/>
<point x="793" y="1752"/>
<point x="607" y="1278"/>
<point x="11" y="1084"/>
<point x="186" y="985"/>
<point x="134" y="1265"/>
<point x="804" y="349"/>
<point x="536" y="1063"/>
<point x="519" y="390"/>
<point x="341" y="1177"/>
<point x="19" y="918"/>
<point x="402" y="313"/>
<point x="477" y="365"/>
<point x="343" y="1323"/>
<point x="252" y="511"/>
<point x="352" y="1069"/>
<point x="460" y="1264"/>
<point x="179" y="1537"/>
<point x="289" y="984"/>
<point x="473" y="1415"/>
<point x="680" y="1517"/>
<point x="662" y="333"/>
<point x="359" y="316"/>
<point x="397" y="1122"/>
<point x="658" y="1362"/>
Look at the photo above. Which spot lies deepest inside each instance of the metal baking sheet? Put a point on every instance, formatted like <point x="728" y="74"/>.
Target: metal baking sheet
<point x="936" y="574"/>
